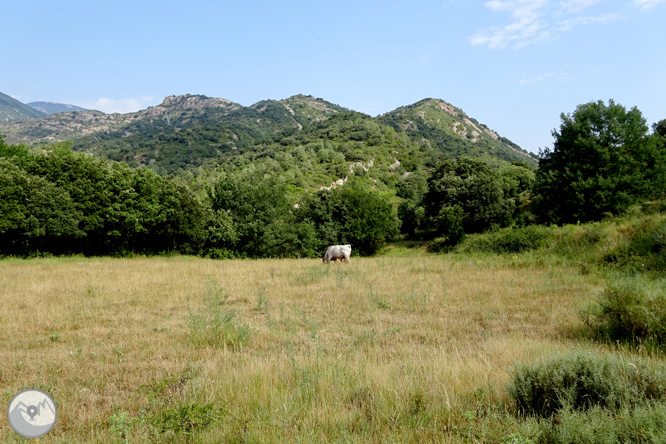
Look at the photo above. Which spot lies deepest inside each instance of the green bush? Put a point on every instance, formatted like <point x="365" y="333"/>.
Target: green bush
<point x="511" y="240"/>
<point x="629" y="310"/>
<point x="644" y="249"/>
<point x="643" y="424"/>
<point x="582" y="380"/>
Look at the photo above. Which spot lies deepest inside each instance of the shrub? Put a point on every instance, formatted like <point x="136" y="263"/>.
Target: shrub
<point x="582" y="380"/>
<point x="644" y="248"/>
<point x="628" y="310"/>
<point x="511" y="240"/>
<point x="644" y="424"/>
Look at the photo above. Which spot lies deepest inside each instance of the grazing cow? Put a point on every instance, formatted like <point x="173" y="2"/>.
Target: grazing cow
<point x="336" y="252"/>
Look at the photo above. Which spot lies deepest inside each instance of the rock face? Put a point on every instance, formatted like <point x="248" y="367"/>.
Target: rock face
<point x="189" y="101"/>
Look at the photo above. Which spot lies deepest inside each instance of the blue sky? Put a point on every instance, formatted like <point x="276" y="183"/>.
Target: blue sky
<point x="514" y="65"/>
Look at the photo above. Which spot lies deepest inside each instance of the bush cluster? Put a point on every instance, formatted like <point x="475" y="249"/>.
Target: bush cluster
<point x="582" y="380"/>
<point x="629" y="310"/>
<point x="511" y="240"/>
<point x="644" y="249"/>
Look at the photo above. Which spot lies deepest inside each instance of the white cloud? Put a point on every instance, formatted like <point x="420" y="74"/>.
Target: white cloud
<point x="537" y="78"/>
<point x="535" y="21"/>
<point x="574" y="6"/>
<point x="568" y="24"/>
<point x="122" y="106"/>
<point x="525" y="27"/>
<point x="647" y="4"/>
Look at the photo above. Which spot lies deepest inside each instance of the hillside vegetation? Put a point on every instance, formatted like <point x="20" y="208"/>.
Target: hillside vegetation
<point x="441" y="126"/>
<point x="184" y="132"/>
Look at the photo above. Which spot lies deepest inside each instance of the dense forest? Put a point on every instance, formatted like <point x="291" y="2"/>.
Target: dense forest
<point x="346" y="179"/>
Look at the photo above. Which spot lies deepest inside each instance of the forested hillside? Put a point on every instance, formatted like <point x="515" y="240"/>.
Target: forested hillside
<point x="186" y="132"/>
<point x="440" y="125"/>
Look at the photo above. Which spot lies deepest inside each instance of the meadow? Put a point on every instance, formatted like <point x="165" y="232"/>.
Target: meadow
<point x="396" y="348"/>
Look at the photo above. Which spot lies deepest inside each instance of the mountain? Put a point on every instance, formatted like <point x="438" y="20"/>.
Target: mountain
<point x="188" y="131"/>
<point x="11" y="109"/>
<point x="440" y="125"/>
<point x="52" y="108"/>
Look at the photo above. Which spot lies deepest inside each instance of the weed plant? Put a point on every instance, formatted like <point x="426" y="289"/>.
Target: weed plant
<point x="216" y="325"/>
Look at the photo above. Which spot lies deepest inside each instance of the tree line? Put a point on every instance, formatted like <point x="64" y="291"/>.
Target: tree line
<point x="603" y="160"/>
<point x="63" y="202"/>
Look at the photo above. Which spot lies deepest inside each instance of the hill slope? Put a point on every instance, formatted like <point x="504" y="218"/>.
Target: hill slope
<point x="440" y="125"/>
<point x="192" y="130"/>
<point x="52" y="108"/>
<point x="11" y="109"/>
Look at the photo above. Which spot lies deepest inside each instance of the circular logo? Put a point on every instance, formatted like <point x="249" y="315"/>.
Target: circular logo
<point x="32" y="413"/>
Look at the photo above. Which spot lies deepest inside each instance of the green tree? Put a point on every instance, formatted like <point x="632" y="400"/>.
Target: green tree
<point x="263" y="215"/>
<point x="601" y="162"/>
<point x="34" y="214"/>
<point x="471" y="185"/>
<point x="351" y="215"/>
<point x="369" y="219"/>
<point x="411" y="216"/>
<point x="517" y="178"/>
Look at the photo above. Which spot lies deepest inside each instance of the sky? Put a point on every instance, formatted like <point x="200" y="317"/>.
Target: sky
<point x="514" y="65"/>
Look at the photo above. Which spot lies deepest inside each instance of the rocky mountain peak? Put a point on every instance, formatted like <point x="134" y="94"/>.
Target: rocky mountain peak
<point x="190" y="101"/>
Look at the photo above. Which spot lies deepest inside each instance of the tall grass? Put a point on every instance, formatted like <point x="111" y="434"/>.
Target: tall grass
<point x="387" y="349"/>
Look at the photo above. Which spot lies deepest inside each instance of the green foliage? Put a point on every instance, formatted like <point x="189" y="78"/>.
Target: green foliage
<point x="261" y="212"/>
<point x="511" y="240"/>
<point x="582" y="380"/>
<point x="629" y="310"/>
<point x="411" y="217"/>
<point x="601" y="162"/>
<point x="639" y="425"/>
<point x="517" y="178"/>
<point x="351" y="215"/>
<point x="34" y="213"/>
<point x="183" y="418"/>
<point x="65" y="202"/>
<point x="441" y="128"/>
<point x="449" y="223"/>
<point x="121" y="424"/>
<point x="644" y="249"/>
<point x="471" y="185"/>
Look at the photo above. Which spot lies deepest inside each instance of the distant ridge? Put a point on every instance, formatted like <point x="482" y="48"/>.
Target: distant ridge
<point x="49" y="108"/>
<point x="191" y="130"/>
<point x="11" y="109"/>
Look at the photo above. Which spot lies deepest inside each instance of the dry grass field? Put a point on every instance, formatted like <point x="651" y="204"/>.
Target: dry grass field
<point x="385" y="349"/>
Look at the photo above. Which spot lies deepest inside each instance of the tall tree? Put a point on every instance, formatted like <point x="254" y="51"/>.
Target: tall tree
<point x="601" y="162"/>
<point x="466" y="191"/>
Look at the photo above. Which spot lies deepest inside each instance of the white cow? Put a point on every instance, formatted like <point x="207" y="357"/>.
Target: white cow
<point x="336" y="252"/>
